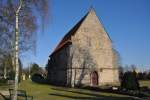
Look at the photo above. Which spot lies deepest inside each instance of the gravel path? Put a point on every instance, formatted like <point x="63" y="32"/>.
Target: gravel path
<point x="4" y="92"/>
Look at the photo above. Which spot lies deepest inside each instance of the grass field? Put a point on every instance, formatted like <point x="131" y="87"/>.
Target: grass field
<point x="4" y="87"/>
<point x="145" y="83"/>
<point x="48" y="92"/>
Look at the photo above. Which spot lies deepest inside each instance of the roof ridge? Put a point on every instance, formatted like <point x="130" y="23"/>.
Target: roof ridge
<point x="69" y="34"/>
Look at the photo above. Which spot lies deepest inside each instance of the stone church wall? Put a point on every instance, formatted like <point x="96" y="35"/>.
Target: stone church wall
<point x="92" y="39"/>
<point x="58" y="67"/>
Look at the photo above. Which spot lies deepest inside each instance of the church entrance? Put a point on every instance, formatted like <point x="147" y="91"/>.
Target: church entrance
<point x="94" y="78"/>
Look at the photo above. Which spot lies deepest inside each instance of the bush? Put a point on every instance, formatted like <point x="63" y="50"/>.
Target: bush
<point x="38" y="78"/>
<point x="11" y="75"/>
<point x="130" y="81"/>
<point x="3" y="81"/>
<point x="144" y="88"/>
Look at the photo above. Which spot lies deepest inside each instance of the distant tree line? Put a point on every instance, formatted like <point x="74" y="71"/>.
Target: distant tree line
<point x="144" y="75"/>
<point x="7" y="68"/>
<point x="129" y="77"/>
<point x="141" y="75"/>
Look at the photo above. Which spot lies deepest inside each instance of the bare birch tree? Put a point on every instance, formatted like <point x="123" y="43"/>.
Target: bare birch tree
<point x="19" y="17"/>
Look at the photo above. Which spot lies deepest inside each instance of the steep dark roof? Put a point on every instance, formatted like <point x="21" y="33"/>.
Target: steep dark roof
<point x="67" y="38"/>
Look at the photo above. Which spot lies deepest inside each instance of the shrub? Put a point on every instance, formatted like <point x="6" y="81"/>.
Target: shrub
<point x="130" y="81"/>
<point x="38" y="78"/>
<point x="3" y="81"/>
<point x="144" y="88"/>
<point x="11" y="75"/>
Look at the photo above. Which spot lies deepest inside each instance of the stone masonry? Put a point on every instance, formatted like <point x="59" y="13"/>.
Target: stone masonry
<point x="85" y="56"/>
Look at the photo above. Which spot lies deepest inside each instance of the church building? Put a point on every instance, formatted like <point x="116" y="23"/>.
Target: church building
<point x="85" y="56"/>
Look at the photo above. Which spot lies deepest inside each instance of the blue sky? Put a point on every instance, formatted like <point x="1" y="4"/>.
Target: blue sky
<point x="126" y="21"/>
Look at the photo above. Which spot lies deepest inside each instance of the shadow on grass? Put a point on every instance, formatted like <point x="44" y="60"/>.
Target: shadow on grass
<point x="88" y="96"/>
<point x="4" y="97"/>
<point x="84" y="93"/>
<point x="77" y="97"/>
<point x="92" y="97"/>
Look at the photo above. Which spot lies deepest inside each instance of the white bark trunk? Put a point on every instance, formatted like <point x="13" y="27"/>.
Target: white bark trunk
<point x="16" y="57"/>
<point x="17" y="51"/>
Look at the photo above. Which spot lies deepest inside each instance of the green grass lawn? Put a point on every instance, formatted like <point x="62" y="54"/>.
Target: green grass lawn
<point x="47" y="92"/>
<point x="1" y="98"/>
<point x="145" y="83"/>
<point x="4" y="87"/>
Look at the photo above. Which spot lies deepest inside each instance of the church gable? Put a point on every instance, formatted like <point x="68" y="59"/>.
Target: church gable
<point x="91" y="32"/>
<point x="88" y="26"/>
<point x="91" y="38"/>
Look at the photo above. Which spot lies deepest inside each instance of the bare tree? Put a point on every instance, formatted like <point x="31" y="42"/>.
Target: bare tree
<point x="19" y="17"/>
<point x="28" y="24"/>
<point x="7" y="65"/>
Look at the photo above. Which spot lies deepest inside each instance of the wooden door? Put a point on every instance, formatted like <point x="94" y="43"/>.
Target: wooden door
<point x="94" y="78"/>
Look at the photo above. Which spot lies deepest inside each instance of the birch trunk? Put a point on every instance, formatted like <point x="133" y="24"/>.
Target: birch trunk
<point x="17" y="51"/>
<point x="16" y="58"/>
